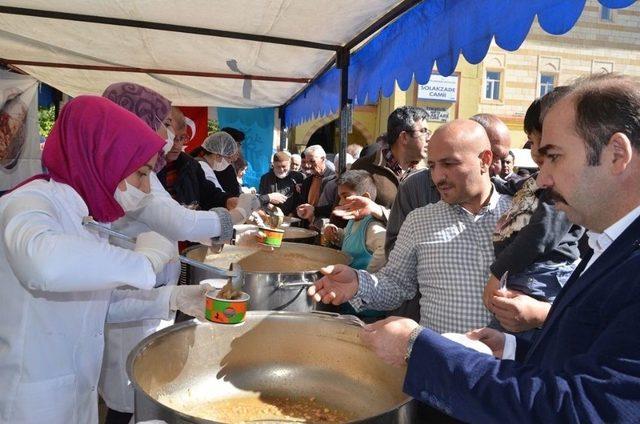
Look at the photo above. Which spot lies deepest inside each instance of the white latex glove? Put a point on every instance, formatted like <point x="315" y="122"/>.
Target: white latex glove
<point x="247" y="203"/>
<point x="158" y="249"/>
<point x="238" y="216"/>
<point x="190" y="299"/>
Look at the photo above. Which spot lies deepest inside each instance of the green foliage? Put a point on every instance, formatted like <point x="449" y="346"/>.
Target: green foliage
<point x="46" y="117"/>
<point x="212" y="126"/>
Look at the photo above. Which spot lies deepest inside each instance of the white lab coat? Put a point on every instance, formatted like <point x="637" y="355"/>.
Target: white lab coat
<point x="57" y="289"/>
<point x="167" y="217"/>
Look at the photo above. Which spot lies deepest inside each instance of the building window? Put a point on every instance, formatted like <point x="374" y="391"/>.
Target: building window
<point x="605" y="14"/>
<point x="547" y="82"/>
<point x="492" y="88"/>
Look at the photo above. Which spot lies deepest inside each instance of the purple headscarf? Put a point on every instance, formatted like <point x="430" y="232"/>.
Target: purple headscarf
<point x="93" y="146"/>
<point x="145" y="103"/>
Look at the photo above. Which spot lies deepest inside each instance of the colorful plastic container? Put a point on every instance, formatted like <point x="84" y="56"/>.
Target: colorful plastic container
<point x="226" y="311"/>
<point x="270" y="236"/>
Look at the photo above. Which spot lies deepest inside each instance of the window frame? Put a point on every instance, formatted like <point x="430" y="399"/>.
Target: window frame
<point x="500" y="84"/>
<point x="606" y="14"/>
<point x="547" y="74"/>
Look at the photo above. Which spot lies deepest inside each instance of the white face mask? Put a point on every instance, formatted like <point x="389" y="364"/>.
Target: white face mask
<point x="132" y="198"/>
<point x="220" y="166"/>
<point x="168" y="141"/>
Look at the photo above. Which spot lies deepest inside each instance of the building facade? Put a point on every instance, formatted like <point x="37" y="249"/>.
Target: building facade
<point x="505" y="83"/>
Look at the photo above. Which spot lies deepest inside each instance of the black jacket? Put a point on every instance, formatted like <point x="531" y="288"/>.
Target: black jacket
<point x="548" y="236"/>
<point x="269" y="183"/>
<point x="228" y="181"/>
<point x="191" y="186"/>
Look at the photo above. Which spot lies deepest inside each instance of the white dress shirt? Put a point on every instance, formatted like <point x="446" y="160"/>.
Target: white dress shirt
<point x="599" y="242"/>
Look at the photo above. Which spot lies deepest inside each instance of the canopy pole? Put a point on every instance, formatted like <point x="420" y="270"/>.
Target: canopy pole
<point x="283" y="130"/>
<point x="342" y="63"/>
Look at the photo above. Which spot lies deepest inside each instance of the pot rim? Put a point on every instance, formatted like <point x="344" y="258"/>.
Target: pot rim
<point x="348" y="259"/>
<point x="141" y="346"/>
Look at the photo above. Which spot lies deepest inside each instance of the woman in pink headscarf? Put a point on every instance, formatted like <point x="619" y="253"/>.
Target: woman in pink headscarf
<point x="159" y="212"/>
<point x="58" y="278"/>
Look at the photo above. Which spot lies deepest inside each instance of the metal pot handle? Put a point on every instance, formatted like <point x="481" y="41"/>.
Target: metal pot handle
<point x="282" y="285"/>
<point x="303" y="283"/>
<point x="347" y="319"/>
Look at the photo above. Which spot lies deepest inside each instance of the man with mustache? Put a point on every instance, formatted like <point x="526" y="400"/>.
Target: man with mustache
<point x="585" y="364"/>
<point x="312" y="188"/>
<point x="444" y="249"/>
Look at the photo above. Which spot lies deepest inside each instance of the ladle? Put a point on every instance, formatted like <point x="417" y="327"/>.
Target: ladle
<point x="88" y="221"/>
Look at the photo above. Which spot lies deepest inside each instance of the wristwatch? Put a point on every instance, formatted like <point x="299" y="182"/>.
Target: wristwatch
<point x="412" y="339"/>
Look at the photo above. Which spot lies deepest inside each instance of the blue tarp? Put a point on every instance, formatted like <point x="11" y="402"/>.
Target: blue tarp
<point x="434" y="31"/>
<point x="257" y="147"/>
<point x="45" y="95"/>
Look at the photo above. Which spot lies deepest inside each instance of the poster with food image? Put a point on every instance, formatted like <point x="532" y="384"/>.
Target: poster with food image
<point x="20" y="155"/>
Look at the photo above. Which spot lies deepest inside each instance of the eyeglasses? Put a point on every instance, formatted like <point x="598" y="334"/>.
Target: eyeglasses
<point x="422" y="132"/>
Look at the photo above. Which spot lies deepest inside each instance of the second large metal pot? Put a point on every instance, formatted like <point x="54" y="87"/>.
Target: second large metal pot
<point x="276" y="280"/>
<point x="291" y="233"/>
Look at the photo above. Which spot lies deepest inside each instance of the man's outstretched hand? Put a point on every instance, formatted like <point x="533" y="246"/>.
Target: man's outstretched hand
<point x="339" y="284"/>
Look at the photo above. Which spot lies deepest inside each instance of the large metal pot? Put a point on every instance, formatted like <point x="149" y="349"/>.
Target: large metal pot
<point x="291" y="233"/>
<point x="270" y="355"/>
<point x="273" y="279"/>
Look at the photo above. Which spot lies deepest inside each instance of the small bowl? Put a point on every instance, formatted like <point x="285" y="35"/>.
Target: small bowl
<point x="226" y="311"/>
<point x="270" y="236"/>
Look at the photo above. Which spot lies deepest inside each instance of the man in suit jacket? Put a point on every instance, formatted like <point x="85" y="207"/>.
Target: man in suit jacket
<point x="585" y="365"/>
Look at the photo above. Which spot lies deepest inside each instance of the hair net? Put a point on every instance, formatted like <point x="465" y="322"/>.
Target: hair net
<point x="220" y="143"/>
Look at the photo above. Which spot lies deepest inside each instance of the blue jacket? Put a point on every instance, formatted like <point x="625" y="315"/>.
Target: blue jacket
<point x="584" y="366"/>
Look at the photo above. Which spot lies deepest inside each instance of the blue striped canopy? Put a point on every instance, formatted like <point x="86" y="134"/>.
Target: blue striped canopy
<point x="434" y="32"/>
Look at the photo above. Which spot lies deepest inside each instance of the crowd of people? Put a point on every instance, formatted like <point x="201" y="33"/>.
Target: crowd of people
<point x="445" y="236"/>
<point x="562" y="329"/>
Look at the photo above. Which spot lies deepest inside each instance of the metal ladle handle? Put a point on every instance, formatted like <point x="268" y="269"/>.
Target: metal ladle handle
<point x="88" y="221"/>
<point x="348" y="319"/>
